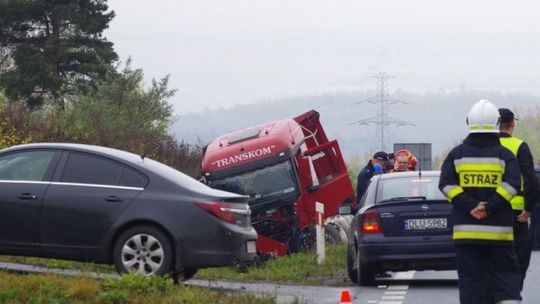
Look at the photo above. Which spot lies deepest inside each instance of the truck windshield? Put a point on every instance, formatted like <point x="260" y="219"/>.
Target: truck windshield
<point x="270" y="181"/>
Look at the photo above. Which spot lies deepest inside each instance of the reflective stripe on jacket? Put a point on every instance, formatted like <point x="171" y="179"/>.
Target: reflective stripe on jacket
<point x="512" y="144"/>
<point x="481" y="170"/>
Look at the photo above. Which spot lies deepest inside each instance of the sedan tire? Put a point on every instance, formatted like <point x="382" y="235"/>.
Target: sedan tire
<point x="189" y="273"/>
<point x="143" y="250"/>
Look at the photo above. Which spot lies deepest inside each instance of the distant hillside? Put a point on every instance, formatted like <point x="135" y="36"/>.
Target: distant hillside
<point x="439" y="117"/>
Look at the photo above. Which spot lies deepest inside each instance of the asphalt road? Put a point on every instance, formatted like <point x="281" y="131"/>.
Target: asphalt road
<point x="412" y="287"/>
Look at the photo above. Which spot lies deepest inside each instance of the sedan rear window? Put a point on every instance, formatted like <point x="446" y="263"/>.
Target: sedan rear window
<point x="130" y="178"/>
<point x="88" y="169"/>
<point x="409" y="188"/>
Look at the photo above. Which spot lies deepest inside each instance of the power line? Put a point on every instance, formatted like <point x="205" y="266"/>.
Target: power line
<point x="383" y="101"/>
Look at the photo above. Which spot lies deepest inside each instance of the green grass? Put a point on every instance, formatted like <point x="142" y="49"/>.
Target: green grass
<point x="301" y="268"/>
<point x="53" y="263"/>
<point x="37" y="289"/>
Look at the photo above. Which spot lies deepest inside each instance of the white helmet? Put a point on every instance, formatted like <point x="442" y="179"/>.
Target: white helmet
<point x="484" y="117"/>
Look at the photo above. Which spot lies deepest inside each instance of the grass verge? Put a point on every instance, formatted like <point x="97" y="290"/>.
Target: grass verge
<point x="54" y="263"/>
<point x="301" y="268"/>
<point x="129" y="289"/>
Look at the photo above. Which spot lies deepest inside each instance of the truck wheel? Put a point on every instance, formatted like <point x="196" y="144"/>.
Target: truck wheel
<point x="331" y="234"/>
<point x="143" y="250"/>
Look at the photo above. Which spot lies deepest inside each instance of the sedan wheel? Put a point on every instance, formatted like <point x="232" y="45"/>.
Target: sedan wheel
<point x="143" y="250"/>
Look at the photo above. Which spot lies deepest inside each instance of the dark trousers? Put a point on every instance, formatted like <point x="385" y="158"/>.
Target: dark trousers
<point x="535" y="227"/>
<point x="480" y="265"/>
<point x="523" y="245"/>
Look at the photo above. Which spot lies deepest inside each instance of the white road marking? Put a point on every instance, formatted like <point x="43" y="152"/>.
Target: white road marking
<point x="404" y="275"/>
<point x="395" y="294"/>
<point x="392" y="298"/>
<point x="398" y="287"/>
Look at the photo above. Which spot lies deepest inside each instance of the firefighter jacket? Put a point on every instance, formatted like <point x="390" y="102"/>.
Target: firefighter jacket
<point x="481" y="170"/>
<point x="526" y="197"/>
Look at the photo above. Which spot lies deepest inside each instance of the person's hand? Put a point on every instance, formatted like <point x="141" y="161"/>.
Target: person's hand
<point x="523" y="217"/>
<point x="479" y="212"/>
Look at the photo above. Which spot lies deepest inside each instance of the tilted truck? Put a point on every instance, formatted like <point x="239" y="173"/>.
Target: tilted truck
<point x="284" y="167"/>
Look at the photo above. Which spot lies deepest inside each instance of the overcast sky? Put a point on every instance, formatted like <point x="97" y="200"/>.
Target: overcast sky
<point x="224" y="52"/>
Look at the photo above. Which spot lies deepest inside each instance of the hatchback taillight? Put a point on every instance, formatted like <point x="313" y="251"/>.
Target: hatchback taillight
<point x="370" y="222"/>
<point x="225" y="211"/>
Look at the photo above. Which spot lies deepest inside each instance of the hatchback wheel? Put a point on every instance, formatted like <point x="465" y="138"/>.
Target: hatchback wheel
<point x="364" y="272"/>
<point x="143" y="250"/>
<point x="351" y="269"/>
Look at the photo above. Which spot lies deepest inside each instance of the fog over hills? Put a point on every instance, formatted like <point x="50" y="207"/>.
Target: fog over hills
<point x="439" y="117"/>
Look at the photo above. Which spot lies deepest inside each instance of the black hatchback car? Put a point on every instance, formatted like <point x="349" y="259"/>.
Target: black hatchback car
<point x="91" y="203"/>
<point x="404" y="223"/>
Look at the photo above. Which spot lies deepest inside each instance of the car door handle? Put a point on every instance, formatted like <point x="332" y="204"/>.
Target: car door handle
<point x="27" y="196"/>
<point x="113" y="199"/>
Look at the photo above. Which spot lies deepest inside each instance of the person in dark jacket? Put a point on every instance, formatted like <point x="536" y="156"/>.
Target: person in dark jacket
<point x="523" y="203"/>
<point x="480" y="177"/>
<point x="376" y="165"/>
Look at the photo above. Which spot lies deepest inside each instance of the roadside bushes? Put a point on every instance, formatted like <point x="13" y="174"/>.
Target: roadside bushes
<point x="12" y="124"/>
<point x="119" y="113"/>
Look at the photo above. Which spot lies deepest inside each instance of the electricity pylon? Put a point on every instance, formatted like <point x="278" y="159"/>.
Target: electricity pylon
<point x="382" y="120"/>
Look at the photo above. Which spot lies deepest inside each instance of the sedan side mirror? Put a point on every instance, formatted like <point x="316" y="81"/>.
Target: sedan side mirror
<point x="345" y="210"/>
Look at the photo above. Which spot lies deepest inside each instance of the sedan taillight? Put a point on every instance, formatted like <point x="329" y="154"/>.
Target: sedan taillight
<point x="370" y="222"/>
<point x="224" y="211"/>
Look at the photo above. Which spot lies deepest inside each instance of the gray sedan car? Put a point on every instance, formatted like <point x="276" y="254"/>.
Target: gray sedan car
<point x="91" y="203"/>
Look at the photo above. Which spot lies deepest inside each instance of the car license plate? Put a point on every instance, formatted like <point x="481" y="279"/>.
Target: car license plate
<point x="426" y="224"/>
<point x="251" y="247"/>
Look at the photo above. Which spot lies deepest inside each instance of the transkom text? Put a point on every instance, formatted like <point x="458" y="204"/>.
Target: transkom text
<point x="242" y="157"/>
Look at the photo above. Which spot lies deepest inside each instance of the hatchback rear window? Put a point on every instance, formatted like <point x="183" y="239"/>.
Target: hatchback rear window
<point x="424" y="188"/>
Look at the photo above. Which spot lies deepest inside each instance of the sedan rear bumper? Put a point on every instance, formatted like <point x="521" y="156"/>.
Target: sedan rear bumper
<point x="401" y="256"/>
<point x="236" y="245"/>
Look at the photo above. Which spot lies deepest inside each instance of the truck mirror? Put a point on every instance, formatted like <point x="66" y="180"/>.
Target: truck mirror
<point x="313" y="188"/>
<point x="345" y="210"/>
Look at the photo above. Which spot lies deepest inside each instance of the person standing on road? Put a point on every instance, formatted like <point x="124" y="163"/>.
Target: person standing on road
<point x="480" y="177"/>
<point x="523" y="203"/>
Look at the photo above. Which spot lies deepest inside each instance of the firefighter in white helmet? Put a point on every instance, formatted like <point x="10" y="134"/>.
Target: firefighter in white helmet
<point x="480" y="177"/>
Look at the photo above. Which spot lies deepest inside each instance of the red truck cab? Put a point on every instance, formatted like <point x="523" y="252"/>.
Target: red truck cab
<point x="284" y="167"/>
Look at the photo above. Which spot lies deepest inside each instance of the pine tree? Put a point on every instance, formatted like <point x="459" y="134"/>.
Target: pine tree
<point x="53" y="47"/>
